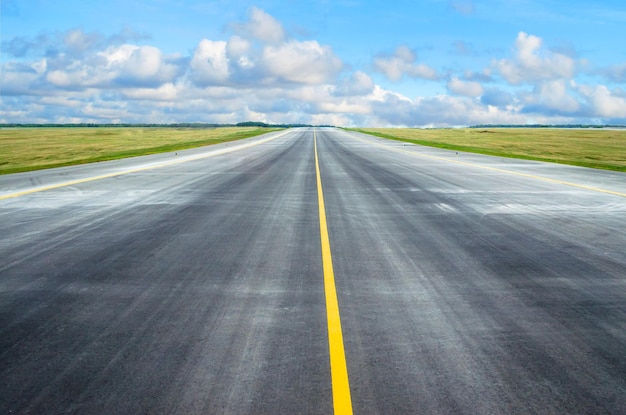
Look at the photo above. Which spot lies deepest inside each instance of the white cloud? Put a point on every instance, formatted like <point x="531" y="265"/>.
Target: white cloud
<point x="17" y="80"/>
<point x="238" y="47"/>
<point x="465" y="88"/>
<point x="531" y="63"/>
<point x="446" y="111"/>
<point x="262" y="26"/>
<point x="305" y="62"/>
<point x="346" y="106"/>
<point x="63" y="79"/>
<point x="61" y="101"/>
<point x="114" y="111"/>
<point x="261" y="73"/>
<point x="40" y="66"/>
<point x="209" y="64"/>
<point x="329" y="119"/>
<point x="79" y="41"/>
<point x="73" y="43"/>
<point x="401" y="63"/>
<point x="146" y="65"/>
<point x="308" y="93"/>
<point x="358" y="84"/>
<point x="166" y="92"/>
<point x="604" y="102"/>
<point x="275" y="60"/>
<point x="111" y="68"/>
<point x="143" y="62"/>
<point x="552" y="96"/>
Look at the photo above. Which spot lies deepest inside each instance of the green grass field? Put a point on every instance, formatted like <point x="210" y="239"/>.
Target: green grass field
<point x="597" y="148"/>
<point x="26" y="149"/>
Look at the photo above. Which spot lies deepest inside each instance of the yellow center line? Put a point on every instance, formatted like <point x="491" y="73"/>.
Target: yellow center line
<point x="530" y="176"/>
<point x="137" y="169"/>
<point x="342" y="403"/>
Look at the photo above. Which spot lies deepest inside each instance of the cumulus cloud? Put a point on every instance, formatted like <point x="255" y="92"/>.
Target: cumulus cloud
<point x="465" y="88"/>
<point x="305" y="62"/>
<point x="443" y="110"/>
<point x="358" y="84"/>
<point x="140" y="66"/>
<point x="552" y="97"/>
<point x="113" y="67"/>
<point x="262" y="56"/>
<point x="73" y="43"/>
<point x="238" y="47"/>
<point x="209" y="64"/>
<point x="260" y="72"/>
<point x="604" y="102"/>
<point x="401" y="63"/>
<point x="78" y="41"/>
<point x="262" y="27"/>
<point x="224" y="80"/>
<point x="531" y="63"/>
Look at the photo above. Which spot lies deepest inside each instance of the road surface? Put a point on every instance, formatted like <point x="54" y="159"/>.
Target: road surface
<point x="196" y="283"/>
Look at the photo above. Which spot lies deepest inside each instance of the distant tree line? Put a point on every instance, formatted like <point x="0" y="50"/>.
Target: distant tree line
<point x="173" y="125"/>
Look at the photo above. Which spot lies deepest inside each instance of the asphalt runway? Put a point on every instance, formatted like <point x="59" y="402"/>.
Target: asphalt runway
<point x="195" y="283"/>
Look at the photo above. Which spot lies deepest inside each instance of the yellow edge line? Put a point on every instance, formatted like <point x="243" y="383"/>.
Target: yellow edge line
<point x="342" y="402"/>
<point x="530" y="176"/>
<point x="138" y="169"/>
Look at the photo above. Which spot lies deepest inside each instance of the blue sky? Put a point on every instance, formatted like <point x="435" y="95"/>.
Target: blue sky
<point x="351" y="62"/>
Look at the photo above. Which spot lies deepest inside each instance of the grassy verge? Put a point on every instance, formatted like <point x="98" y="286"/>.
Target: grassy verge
<point x="601" y="149"/>
<point x="27" y="149"/>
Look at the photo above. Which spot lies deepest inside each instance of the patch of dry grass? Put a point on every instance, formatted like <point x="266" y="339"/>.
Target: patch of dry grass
<point x="598" y="148"/>
<point x="25" y="149"/>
